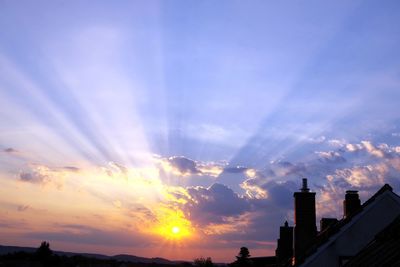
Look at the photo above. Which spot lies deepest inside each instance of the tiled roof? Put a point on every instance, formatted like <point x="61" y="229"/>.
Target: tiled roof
<point x="384" y="250"/>
<point x="324" y="236"/>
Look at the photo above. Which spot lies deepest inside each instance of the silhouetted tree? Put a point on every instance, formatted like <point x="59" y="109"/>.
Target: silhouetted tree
<point x="44" y="253"/>
<point x="203" y="262"/>
<point x="242" y="259"/>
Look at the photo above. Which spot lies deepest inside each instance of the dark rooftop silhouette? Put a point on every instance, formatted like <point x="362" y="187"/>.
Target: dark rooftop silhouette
<point x="306" y="241"/>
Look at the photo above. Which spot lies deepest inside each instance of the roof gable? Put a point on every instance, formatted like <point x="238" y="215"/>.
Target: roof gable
<point x="332" y="233"/>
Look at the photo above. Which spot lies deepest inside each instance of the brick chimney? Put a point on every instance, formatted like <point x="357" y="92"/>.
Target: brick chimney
<point x="305" y="229"/>
<point x="351" y="204"/>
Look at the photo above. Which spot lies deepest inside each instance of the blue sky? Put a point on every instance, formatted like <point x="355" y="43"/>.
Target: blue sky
<point x="198" y="104"/>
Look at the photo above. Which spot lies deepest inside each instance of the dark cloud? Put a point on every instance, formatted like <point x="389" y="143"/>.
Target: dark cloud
<point x="34" y="177"/>
<point x="281" y="194"/>
<point x="41" y="174"/>
<point x="184" y="165"/>
<point x="264" y="224"/>
<point x="23" y="207"/>
<point x="71" y="168"/>
<point x="240" y="217"/>
<point x="277" y="194"/>
<point x="212" y="204"/>
<point x="10" y="150"/>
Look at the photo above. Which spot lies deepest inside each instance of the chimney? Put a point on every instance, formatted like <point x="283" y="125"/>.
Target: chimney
<point x="305" y="229"/>
<point x="284" y="250"/>
<point x="351" y="204"/>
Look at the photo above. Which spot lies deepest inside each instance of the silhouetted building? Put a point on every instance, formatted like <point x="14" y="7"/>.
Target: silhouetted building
<point x="284" y="250"/>
<point x="325" y="223"/>
<point x="383" y="250"/>
<point x="305" y="229"/>
<point x="351" y="203"/>
<point x="367" y="235"/>
<point x="263" y="262"/>
<point x="341" y="241"/>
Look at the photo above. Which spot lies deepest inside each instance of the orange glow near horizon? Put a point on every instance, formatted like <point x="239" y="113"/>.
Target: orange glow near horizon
<point x="173" y="226"/>
<point x="175" y="230"/>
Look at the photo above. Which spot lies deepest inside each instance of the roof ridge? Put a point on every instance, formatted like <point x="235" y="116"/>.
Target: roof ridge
<point x="331" y="231"/>
<point x="383" y="189"/>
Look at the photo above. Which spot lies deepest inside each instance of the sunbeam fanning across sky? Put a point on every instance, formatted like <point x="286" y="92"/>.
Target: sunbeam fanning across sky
<point x="180" y="129"/>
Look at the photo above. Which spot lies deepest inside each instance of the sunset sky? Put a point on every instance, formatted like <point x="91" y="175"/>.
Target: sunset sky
<point x="181" y="129"/>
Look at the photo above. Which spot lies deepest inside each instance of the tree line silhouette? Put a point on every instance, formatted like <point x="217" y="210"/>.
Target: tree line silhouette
<point x="44" y="257"/>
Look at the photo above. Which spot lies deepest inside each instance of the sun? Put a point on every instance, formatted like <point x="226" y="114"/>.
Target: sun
<point x="172" y="225"/>
<point x="175" y="230"/>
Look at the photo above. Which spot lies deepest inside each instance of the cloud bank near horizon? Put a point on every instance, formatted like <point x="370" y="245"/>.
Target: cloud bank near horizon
<point x="190" y="192"/>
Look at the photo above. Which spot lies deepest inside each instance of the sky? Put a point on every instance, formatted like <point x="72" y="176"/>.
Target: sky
<point x="181" y="129"/>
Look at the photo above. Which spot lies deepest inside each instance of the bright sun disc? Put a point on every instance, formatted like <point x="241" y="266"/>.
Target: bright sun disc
<point x="175" y="230"/>
<point x="173" y="226"/>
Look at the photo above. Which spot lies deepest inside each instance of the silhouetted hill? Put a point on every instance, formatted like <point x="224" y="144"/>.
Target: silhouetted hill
<point x="130" y="258"/>
<point x="121" y="257"/>
<point x="11" y="249"/>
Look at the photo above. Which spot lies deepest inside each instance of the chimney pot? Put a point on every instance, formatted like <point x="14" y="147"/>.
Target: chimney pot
<point x="305" y="188"/>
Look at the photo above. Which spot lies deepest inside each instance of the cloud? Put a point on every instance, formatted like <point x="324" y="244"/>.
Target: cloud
<point x="262" y="217"/>
<point x="253" y="212"/>
<point x="41" y="174"/>
<point x="71" y="168"/>
<point x="330" y="157"/>
<point x="142" y="212"/>
<point x="375" y="151"/>
<point x="235" y="169"/>
<point x="364" y="176"/>
<point x="114" y="169"/>
<point x="223" y="215"/>
<point x="23" y="207"/>
<point x="83" y="234"/>
<point x="368" y="166"/>
<point x="362" y="166"/>
<point x="368" y="147"/>
<point x="286" y="169"/>
<point x="182" y="166"/>
<point x="213" y="204"/>
<point x="13" y="224"/>
<point x="253" y="189"/>
<point x="337" y="142"/>
<point x="10" y="150"/>
<point x="14" y="153"/>
<point x="278" y="193"/>
<point x="211" y="168"/>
